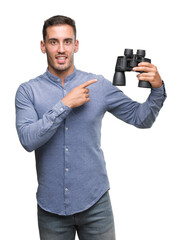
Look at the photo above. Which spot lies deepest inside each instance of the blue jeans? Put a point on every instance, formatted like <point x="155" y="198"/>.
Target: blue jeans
<point x="96" y="223"/>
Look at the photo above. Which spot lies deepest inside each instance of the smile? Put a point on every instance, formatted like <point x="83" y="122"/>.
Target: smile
<point x="61" y="59"/>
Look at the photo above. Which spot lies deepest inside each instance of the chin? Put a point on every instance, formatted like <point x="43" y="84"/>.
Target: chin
<point x="63" y="68"/>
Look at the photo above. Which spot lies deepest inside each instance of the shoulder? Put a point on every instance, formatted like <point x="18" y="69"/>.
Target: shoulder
<point x="32" y="82"/>
<point x="27" y="88"/>
<point x="88" y="76"/>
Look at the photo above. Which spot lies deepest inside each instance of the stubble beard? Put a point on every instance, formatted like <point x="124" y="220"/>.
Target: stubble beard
<point x="58" y="68"/>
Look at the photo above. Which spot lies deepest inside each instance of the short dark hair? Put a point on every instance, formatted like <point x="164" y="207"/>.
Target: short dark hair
<point x="58" y="20"/>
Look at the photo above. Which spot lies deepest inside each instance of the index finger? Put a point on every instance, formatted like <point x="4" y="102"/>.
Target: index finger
<point x="89" y="82"/>
<point x="147" y="64"/>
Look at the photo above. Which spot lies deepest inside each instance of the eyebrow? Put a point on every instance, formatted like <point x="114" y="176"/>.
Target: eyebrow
<point x="55" y="39"/>
<point x="70" y="39"/>
<point x="52" y="39"/>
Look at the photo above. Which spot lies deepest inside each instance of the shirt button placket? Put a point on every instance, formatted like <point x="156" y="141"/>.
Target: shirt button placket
<point x="66" y="188"/>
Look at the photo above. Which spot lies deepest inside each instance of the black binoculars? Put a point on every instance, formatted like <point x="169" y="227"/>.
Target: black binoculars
<point x="127" y="63"/>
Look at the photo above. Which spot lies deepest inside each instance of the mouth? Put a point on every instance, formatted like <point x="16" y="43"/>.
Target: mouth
<point x="61" y="59"/>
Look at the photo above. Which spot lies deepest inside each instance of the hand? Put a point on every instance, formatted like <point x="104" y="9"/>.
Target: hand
<point x="150" y="74"/>
<point x="79" y="95"/>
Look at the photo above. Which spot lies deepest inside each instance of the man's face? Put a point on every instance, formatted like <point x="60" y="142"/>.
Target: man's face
<point x="60" y="46"/>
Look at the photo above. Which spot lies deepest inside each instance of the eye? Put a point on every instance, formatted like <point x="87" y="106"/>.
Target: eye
<point x="53" y="42"/>
<point x="68" y="42"/>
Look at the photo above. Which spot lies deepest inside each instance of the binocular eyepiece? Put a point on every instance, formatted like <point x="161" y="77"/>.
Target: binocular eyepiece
<point x="127" y="63"/>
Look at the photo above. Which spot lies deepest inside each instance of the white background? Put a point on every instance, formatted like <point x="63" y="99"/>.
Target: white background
<point x="144" y="166"/>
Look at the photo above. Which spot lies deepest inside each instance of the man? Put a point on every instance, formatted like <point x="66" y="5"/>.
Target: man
<point x="59" y="115"/>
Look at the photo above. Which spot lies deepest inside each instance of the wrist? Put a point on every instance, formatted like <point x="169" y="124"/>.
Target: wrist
<point x="67" y="103"/>
<point x="158" y="85"/>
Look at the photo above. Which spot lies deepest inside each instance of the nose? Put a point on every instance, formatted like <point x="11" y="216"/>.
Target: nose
<point x="61" y="48"/>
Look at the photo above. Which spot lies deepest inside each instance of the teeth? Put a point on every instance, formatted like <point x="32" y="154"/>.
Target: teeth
<point x="61" y="58"/>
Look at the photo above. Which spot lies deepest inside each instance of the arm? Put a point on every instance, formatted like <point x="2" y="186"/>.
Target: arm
<point x="34" y="132"/>
<point x="141" y="115"/>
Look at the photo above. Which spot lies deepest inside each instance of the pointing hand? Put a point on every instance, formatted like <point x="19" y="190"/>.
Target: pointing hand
<point x="79" y="95"/>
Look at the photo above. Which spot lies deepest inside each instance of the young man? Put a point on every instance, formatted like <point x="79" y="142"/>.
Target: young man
<point x="59" y="114"/>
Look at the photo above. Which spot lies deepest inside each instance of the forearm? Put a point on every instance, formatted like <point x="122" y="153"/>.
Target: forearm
<point x="34" y="134"/>
<point x="149" y="110"/>
<point x="141" y="115"/>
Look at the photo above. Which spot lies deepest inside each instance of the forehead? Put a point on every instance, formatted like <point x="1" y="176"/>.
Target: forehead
<point x="60" y="32"/>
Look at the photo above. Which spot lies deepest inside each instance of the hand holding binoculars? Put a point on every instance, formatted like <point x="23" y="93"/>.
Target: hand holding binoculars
<point x="127" y="63"/>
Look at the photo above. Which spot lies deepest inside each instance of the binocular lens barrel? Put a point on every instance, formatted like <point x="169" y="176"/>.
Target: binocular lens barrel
<point x="128" y="52"/>
<point x="119" y="79"/>
<point x="140" y="53"/>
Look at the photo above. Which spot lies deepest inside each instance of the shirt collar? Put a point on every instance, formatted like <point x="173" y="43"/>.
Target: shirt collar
<point x="56" y="79"/>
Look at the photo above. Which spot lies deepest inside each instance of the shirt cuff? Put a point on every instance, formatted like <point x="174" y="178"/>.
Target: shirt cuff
<point x="160" y="91"/>
<point x="61" y="109"/>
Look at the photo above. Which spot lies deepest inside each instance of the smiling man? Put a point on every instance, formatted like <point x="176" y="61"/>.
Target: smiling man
<point x="59" y="116"/>
<point x="60" y="45"/>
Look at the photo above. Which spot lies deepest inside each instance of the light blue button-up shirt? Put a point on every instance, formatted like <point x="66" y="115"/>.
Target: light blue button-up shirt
<point x="69" y="160"/>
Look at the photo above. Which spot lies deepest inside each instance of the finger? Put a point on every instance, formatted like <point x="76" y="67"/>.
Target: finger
<point x="87" y="99"/>
<point x="147" y="64"/>
<point x="86" y="90"/>
<point x="87" y="95"/>
<point x="144" y="74"/>
<point x="145" y="77"/>
<point x="142" y="69"/>
<point x="88" y="83"/>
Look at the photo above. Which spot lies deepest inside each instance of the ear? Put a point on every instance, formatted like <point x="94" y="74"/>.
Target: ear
<point x="76" y="46"/>
<point x="42" y="46"/>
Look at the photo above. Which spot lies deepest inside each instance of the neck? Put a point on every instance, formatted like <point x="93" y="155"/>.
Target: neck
<point x="62" y="74"/>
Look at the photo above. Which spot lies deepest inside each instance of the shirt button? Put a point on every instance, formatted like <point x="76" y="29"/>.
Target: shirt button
<point x="61" y="109"/>
<point x="67" y="169"/>
<point x="66" y="128"/>
<point x="66" y="189"/>
<point x="66" y="149"/>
